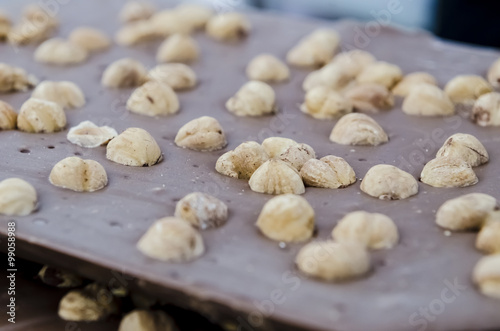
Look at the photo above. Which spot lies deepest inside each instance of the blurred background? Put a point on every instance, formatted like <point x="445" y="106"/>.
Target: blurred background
<point x="469" y="21"/>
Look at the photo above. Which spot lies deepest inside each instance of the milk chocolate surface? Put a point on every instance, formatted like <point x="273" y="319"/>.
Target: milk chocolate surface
<point x="245" y="280"/>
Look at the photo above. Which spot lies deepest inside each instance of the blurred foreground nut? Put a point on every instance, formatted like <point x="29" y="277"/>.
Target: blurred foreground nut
<point x="135" y="11"/>
<point x="66" y="94"/>
<point x="125" y="72"/>
<point x="276" y="177"/>
<point x="89" y="38"/>
<point x="274" y="146"/>
<point x="428" y="100"/>
<point x="372" y="230"/>
<point x="288" y="218"/>
<point x="92" y="303"/>
<point x="387" y="182"/>
<point x="267" y="68"/>
<point x="134" y="147"/>
<point x="178" y="48"/>
<point x="328" y="172"/>
<point x="255" y="98"/>
<point x="353" y="61"/>
<point x="204" y="134"/>
<point x="488" y="239"/>
<point x="242" y="162"/>
<point x="467" y="88"/>
<point x="465" y="147"/>
<point x="152" y="99"/>
<point x="297" y="155"/>
<point x="88" y="135"/>
<point x="382" y="73"/>
<point x="194" y="15"/>
<point x="17" y="197"/>
<point x="41" y="116"/>
<point x="137" y="32"/>
<point x="314" y="50"/>
<point x="228" y="27"/>
<point x="409" y="81"/>
<point x="202" y="210"/>
<point x="494" y="74"/>
<point x="79" y="175"/>
<point x="486" y="111"/>
<point x="171" y="239"/>
<point x="14" y="79"/>
<point x="370" y="97"/>
<point x="8" y="117"/>
<point x="487" y="276"/>
<point x="58" y="51"/>
<point x="333" y="261"/>
<point x="358" y="129"/>
<point x="324" y="103"/>
<point x="176" y="75"/>
<point x="448" y="172"/>
<point x="59" y="278"/>
<point x="467" y="212"/>
<point x="144" y="320"/>
<point x="333" y="76"/>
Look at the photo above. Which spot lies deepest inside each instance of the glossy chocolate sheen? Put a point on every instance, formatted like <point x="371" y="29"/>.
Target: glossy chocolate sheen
<point x="244" y="280"/>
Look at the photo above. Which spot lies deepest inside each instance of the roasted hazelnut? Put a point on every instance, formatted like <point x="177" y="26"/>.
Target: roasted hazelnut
<point x="328" y="172"/>
<point x="92" y="303"/>
<point x="494" y="74"/>
<point x="274" y="146"/>
<point x="143" y="320"/>
<point x="66" y="94"/>
<point x="134" y="147"/>
<point x="170" y="21"/>
<point x="58" y="51"/>
<point x="409" y="81"/>
<point x="324" y="103"/>
<point x="448" y="172"/>
<point x="382" y="73"/>
<point x="36" y="25"/>
<point x="137" y="32"/>
<point x="176" y="75"/>
<point x="267" y="68"/>
<point x="204" y="134"/>
<point x="88" y="135"/>
<point x="333" y="76"/>
<point x="202" y="210"/>
<point x="17" y="197"/>
<point x="488" y="239"/>
<point x="297" y="155"/>
<point x="135" y="11"/>
<point x="228" y="26"/>
<point x="14" y="79"/>
<point x="358" y="129"/>
<point x="428" y="100"/>
<point x="242" y="161"/>
<point x="5" y="25"/>
<point x="276" y="177"/>
<point x="125" y="72"/>
<point x="79" y="175"/>
<point x="8" y="117"/>
<point x="41" y="116"/>
<point x="89" y="38"/>
<point x="194" y="15"/>
<point x="467" y="88"/>
<point x="387" y="182"/>
<point x="487" y="276"/>
<point x="255" y="98"/>
<point x="152" y="99"/>
<point x="465" y="147"/>
<point x="370" y="97"/>
<point x="353" y="61"/>
<point x="486" y="111"/>
<point x="178" y="48"/>
<point x="314" y="50"/>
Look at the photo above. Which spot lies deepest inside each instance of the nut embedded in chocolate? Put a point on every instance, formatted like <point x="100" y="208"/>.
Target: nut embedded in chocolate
<point x="267" y="68"/>
<point x="204" y="134"/>
<point x="125" y="72"/>
<point x="134" y="147"/>
<point x="276" y="177"/>
<point x="79" y="175"/>
<point x="255" y="98"/>
<point x="465" y="89"/>
<point x="486" y="111"/>
<point x="202" y="210"/>
<point x="17" y="197"/>
<point x="242" y="161"/>
<point x="387" y="182"/>
<point x="152" y="99"/>
<point x="8" y="117"/>
<point x="448" y="172"/>
<point x="228" y="27"/>
<point x="328" y="172"/>
<point x="324" y="103"/>
<point x="465" y="147"/>
<point x="428" y="100"/>
<point x="358" y="129"/>
<point x="65" y="93"/>
<point x="41" y="116"/>
<point x="178" y="48"/>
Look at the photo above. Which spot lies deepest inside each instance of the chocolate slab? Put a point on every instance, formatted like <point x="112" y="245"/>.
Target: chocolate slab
<point x="244" y="280"/>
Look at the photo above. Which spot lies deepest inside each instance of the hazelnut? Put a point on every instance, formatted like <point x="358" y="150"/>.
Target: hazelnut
<point x="358" y="129"/>
<point x="494" y="74"/>
<point x="314" y="50"/>
<point x="58" y="51"/>
<point x="328" y="172"/>
<point x="333" y="75"/>
<point x="387" y="182"/>
<point x="194" y="15"/>
<point x="36" y="25"/>
<point x="176" y="75"/>
<point x="59" y="278"/>
<point x="204" y="134"/>
<point x="228" y="26"/>
<point x="353" y="61"/>
<point x="333" y="261"/>
<point x="92" y="303"/>
<point x="135" y="11"/>
<point x="382" y="73"/>
<point x="66" y="94"/>
<point x="242" y="161"/>
<point x="409" y="81"/>
<point x="274" y="146"/>
<point x="152" y="99"/>
<point x="297" y="155"/>
<point x="486" y="111"/>
<point x="8" y="117"/>
<point x="372" y="230"/>
<point x="267" y="68"/>
<point x="79" y="175"/>
<point x="288" y="218"/>
<point x="428" y="100"/>
<point x="14" y="79"/>
<point x="41" y="116"/>
<point x="202" y="210"/>
<point x="488" y="239"/>
<point x="276" y="177"/>
<point x="170" y="21"/>
<point x="467" y="212"/>
<point x="88" y="135"/>
<point x="448" y="172"/>
<point x="5" y="25"/>
<point x="324" y="103"/>
<point x="137" y="32"/>
<point x="171" y="239"/>
<point x="467" y="88"/>
<point x="255" y="98"/>
<point x="143" y="320"/>
<point x="370" y="97"/>
<point x="126" y="72"/>
<point x="465" y="147"/>
<point x="487" y="275"/>
<point x="89" y="38"/>
<point x="178" y="48"/>
<point x="17" y="197"/>
<point x="134" y="147"/>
